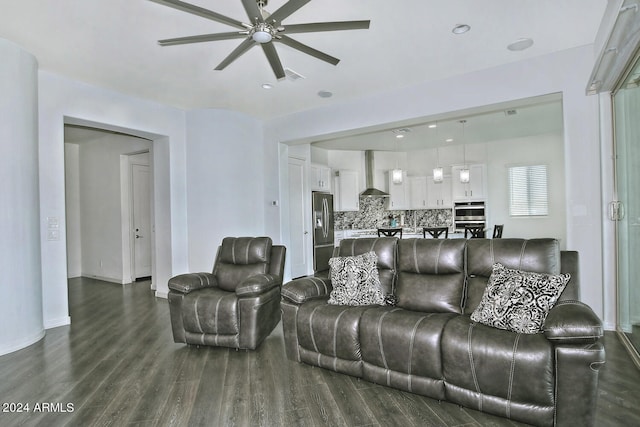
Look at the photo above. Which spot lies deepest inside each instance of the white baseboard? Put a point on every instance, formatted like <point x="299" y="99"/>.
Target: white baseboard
<point x="608" y="326"/>
<point x="54" y="323"/>
<point x="164" y="295"/>
<point x="105" y="279"/>
<point x="22" y="343"/>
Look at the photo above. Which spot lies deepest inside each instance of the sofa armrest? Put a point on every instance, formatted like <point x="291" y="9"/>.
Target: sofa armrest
<point x="186" y="283"/>
<point x="306" y="288"/>
<point x="572" y="322"/>
<point x="256" y="285"/>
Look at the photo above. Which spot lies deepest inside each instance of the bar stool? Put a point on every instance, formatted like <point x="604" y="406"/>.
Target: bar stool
<point x="436" y="232"/>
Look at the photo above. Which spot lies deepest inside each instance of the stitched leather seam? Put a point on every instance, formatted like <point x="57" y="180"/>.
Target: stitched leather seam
<point x="313" y="339"/>
<point x="473" y="367"/>
<point x="491" y="253"/>
<point x="440" y="243"/>
<point x="216" y="315"/>
<point x="233" y="251"/>
<point x="511" y="374"/>
<point x="246" y="255"/>
<point x="195" y="303"/>
<point x="411" y="342"/>
<point x="415" y="256"/>
<point x="380" y="346"/>
<point x="335" y="333"/>
<point x="524" y="245"/>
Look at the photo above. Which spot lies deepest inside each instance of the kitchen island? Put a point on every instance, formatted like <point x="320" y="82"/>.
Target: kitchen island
<point x="407" y="233"/>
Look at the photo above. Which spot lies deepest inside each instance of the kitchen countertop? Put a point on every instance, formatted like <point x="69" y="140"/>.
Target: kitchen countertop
<point x="407" y="233"/>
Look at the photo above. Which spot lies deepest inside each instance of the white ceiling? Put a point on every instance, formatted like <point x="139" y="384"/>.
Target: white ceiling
<point x="113" y="44"/>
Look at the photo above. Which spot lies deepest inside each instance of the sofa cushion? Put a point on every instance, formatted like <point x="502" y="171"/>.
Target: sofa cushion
<point x="500" y="372"/>
<point x="240" y="258"/>
<point x="210" y="311"/>
<point x="355" y="280"/>
<point x="518" y="301"/>
<point x="431" y="275"/>
<point x="401" y="349"/>
<point x="537" y="255"/>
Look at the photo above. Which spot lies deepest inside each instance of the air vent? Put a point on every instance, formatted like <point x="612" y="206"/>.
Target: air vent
<point x="292" y="76"/>
<point x="510" y="112"/>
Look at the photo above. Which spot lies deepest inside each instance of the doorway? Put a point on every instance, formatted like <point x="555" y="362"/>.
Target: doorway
<point x="626" y="209"/>
<point x="99" y="203"/>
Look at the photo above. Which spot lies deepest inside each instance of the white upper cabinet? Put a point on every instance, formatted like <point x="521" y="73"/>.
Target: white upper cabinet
<point x="320" y="178"/>
<point x="472" y="190"/>
<point x="346" y="191"/>
<point x="399" y="194"/>
<point x="418" y="192"/>
<point x="439" y="194"/>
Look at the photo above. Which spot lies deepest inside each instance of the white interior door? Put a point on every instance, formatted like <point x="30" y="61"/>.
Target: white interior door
<point x="141" y="227"/>
<point x="298" y="232"/>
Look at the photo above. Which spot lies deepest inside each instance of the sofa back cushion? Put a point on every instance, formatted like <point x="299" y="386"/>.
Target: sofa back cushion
<point x="431" y="275"/>
<point x="240" y="258"/>
<point x="385" y="249"/>
<point x="535" y="255"/>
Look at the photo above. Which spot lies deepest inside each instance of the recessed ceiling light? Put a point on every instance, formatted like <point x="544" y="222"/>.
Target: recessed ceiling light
<point x="520" y="44"/>
<point x="325" y="94"/>
<point x="448" y="140"/>
<point x="433" y="126"/>
<point x="460" y="29"/>
<point x="267" y="86"/>
<point x="401" y="132"/>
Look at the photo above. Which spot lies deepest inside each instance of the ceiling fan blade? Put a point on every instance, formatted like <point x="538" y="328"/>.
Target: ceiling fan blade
<point x="308" y="50"/>
<point x="326" y="26"/>
<point x="274" y="60"/>
<point x="286" y="10"/>
<point x="201" y="38"/>
<point x="197" y="10"/>
<point x="237" y="52"/>
<point x="253" y="11"/>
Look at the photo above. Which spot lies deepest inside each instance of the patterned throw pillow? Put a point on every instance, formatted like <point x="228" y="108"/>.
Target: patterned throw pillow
<point x="519" y="301"/>
<point x="355" y="280"/>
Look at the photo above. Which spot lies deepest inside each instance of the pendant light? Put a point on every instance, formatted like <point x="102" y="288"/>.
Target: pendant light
<point x="464" y="172"/>
<point x="438" y="171"/>
<point x="397" y="174"/>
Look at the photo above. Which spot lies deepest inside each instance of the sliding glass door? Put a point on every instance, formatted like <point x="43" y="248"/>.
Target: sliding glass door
<point x="627" y="209"/>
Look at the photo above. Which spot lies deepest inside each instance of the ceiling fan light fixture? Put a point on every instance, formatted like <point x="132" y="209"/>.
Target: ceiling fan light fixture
<point x="262" y="36"/>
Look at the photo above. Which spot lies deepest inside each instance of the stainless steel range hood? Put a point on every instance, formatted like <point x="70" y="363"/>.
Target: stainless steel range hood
<point x="368" y="169"/>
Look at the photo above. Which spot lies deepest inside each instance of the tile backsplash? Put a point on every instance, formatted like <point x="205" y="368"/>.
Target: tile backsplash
<point x="372" y="214"/>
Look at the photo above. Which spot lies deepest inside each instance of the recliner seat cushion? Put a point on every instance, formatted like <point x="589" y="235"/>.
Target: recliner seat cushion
<point x="431" y="275"/>
<point x="497" y="371"/>
<point x="210" y="311"/>
<point x="401" y="349"/>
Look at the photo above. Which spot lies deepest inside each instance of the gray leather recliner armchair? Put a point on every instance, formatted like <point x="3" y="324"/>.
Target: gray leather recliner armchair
<point x="237" y="305"/>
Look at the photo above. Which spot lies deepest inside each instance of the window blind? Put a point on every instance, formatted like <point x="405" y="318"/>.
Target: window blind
<point x="528" y="191"/>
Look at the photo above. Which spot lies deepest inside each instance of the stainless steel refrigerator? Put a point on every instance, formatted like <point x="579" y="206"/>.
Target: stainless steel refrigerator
<point x="322" y="230"/>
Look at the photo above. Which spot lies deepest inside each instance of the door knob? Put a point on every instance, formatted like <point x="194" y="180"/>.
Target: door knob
<point x="138" y="236"/>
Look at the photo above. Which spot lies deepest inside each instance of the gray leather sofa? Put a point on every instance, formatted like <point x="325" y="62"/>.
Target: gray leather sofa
<point x="428" y="344"/>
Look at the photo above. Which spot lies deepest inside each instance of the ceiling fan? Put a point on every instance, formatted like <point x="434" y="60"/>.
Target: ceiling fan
<point x="263" y="28"/>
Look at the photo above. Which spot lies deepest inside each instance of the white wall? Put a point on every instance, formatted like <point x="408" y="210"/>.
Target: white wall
<point x="536" y="150"/>
<point x="225" y="181"/>
<point x="62" y="100"/>
<point x="21" y="317"/>
<point x="562" y="72"/>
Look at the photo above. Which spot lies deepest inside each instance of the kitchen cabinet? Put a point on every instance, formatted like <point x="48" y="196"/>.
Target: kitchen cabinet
<point x="439" y="194"/>
<point x="418" y="192"/>
<point x="399" y="194"/>
<point x="320" y="177"/>
<point x="346" y="194"/>
<point x="472" y="190"/>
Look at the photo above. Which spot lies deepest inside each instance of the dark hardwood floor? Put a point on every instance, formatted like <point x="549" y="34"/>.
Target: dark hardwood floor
<point x="117" y="365"/>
